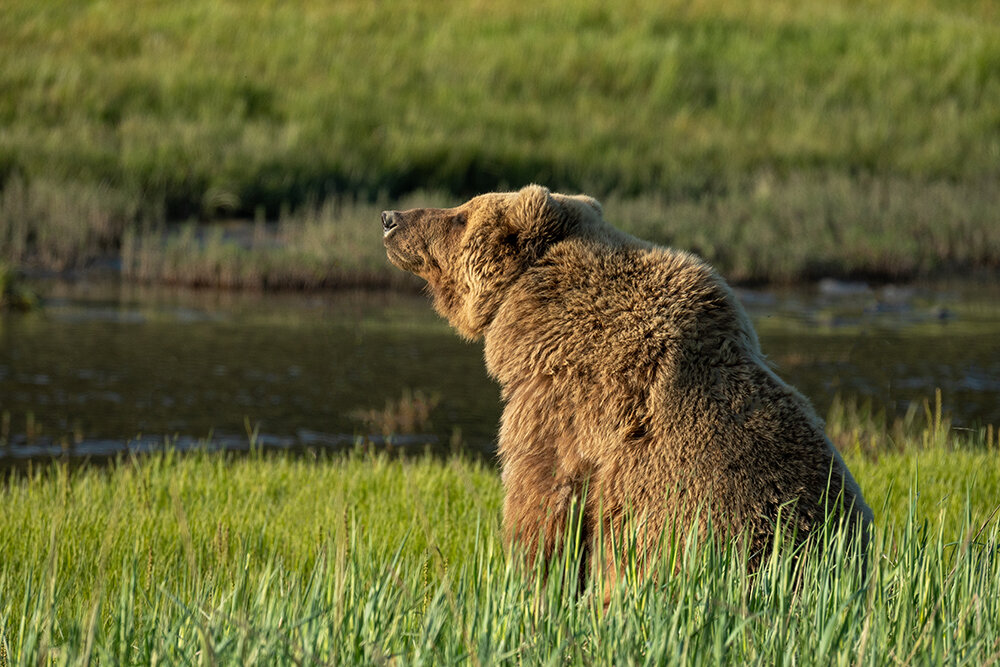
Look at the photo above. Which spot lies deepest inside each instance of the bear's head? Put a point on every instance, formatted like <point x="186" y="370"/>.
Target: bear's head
<point x="469" y="255"/>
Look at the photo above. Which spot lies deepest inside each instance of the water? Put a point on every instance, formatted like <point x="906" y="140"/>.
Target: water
<point x="103" y="365"/>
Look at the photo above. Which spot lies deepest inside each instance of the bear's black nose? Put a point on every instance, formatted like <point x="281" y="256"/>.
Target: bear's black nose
<point x="388" y="220"/>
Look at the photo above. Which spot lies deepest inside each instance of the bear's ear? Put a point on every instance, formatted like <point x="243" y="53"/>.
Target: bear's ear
<point x="538" y="218"/>
<point x="535" y="204"/>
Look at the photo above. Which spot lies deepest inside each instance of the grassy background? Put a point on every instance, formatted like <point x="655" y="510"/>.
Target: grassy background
<point x="741" y="116"/>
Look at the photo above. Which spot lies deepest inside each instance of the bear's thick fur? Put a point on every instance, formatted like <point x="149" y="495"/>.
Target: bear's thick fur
<point x="627" y="369"/>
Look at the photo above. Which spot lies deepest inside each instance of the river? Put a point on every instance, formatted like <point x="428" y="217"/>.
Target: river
<point x="104" y="366"/>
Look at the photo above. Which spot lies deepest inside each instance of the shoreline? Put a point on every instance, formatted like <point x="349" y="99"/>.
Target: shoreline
<point x="804" y="227"/>
<point x="109" y="272"/>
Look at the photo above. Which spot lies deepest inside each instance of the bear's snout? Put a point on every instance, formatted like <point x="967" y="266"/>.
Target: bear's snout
<point x="390" y="220"/>
<point x="402" y="246"/>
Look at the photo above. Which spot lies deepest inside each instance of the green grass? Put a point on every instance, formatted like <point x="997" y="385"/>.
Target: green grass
<point x="733" y="128"/>
<point x="362" y="558"/>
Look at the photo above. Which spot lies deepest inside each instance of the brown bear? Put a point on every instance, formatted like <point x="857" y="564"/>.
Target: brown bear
<point x="632" y="378"/>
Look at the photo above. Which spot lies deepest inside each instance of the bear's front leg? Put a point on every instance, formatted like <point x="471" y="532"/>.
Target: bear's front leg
<point x="543" y="511"/>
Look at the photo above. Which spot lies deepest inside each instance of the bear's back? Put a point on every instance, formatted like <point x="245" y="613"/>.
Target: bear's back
<point x="603" y="310"/>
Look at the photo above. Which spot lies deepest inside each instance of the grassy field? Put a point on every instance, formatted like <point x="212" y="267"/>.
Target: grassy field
<point x="212" y="559"/>
<point x="743" y="131"/>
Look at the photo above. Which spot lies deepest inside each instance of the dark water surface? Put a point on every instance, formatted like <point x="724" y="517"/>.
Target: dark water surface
<point x="105" y="364"/>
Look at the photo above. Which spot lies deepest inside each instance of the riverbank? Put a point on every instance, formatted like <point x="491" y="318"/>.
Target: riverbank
<point x="361" y="557"/>
<point x="778" y="231"/>
<point x="782" y="232"/>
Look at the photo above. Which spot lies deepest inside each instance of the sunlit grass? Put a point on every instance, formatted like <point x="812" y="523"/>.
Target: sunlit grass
<point x="367" y="558"/>
<point x="222" y="106"/>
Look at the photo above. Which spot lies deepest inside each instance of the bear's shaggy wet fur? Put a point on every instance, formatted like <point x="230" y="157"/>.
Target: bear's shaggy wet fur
<point x="627" y="369"/>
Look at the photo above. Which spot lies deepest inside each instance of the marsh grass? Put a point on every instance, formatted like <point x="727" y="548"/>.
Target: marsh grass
<point x="13" y="294"/>
<point x="333" y="244"/>
<point x="410" y="413"/>
<point x="369" y="558"/>
<point x="66" y="225"/>
<point x="858" y="425"/>
<point x="781" y="140"/>
<point x="782" y="229"/>
<point x="774" y="230"/>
